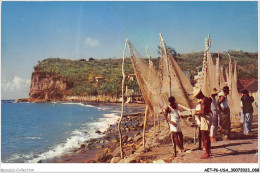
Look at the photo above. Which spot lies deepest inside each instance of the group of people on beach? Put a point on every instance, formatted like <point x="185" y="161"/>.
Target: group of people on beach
<point x="212" y="115"/>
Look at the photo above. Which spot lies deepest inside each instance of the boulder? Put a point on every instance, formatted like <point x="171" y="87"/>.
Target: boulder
<point x="82" y="146"/>
<point x="125" y="139"/>
<point x="129" y="151"/>
<point x="138" y="133"/>
<point x="116" y="152"/>
<point x="114" y="140"/>
<point x="98" y="131"/>
<point x="105" y="158"/>
<point x="137" y="138"/>
<point x="130" y="139"/>
<point x="100" y="146"/>
<point x="107" y="137"/>
<point x="115" y="159"/>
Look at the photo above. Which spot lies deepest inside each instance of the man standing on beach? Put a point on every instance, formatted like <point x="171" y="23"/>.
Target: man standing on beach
<point x="205" y="120"/>
<point x="174" y="123"/>
<point x="225" y="113"/>
<point x="247" y="99"/>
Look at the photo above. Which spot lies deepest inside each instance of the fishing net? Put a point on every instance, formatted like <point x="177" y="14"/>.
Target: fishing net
<point x="168" y="79"/>
<point x="233" y="97"/>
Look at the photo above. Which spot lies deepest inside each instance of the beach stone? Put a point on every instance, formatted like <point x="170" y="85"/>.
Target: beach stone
<point x="105" y="158"/>
<point x="125" y="138"/>
<point x="82" y="146"/>
<point x="101" y="142"/>
<point x="130" y="160"/>
<point x="116" y="152"/>
<point x="100" y="146"/>
<point x="121" y="161"/>
<point x="114" y="140"/>
<point x="129" y="151"/>
<point x="138" y="133"/>
<point x="106" y="141"/>
<point x="88" y="146"/>
<point x="97" y="131"/>
<point x="130" y="139"/>
<point x="115" y="159"/>
<point x="92" y="140"/>
<point x="107" y="137"/>
<point x="159" y="161"/>
<point x="137" y="138"/>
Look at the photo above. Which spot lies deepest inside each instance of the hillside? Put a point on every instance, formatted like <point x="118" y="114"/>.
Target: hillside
<point x="79" y="77"/>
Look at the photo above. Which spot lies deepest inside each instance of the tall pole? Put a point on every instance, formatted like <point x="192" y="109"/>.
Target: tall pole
<point x="149" y="76"/>
<point x="122" y="108"/>
<point x="218" y="71"/>
<point x="170" y="86"/>
<point x="168" y="67"/>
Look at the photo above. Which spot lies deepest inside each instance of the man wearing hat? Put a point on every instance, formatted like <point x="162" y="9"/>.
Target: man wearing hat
<point x="214" y="124"/>
<point x="205" y="120"/>
<point x="225" y="113"/>
<point x="247" y="100"/>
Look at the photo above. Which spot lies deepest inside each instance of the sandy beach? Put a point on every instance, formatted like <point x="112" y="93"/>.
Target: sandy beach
<point x="239" y="149"/>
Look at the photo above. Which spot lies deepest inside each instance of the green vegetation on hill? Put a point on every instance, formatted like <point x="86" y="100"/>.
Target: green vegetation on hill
<point x="81" y="74"/>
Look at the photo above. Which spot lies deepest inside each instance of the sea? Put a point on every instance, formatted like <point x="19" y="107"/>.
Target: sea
<point x="41" y="132"/>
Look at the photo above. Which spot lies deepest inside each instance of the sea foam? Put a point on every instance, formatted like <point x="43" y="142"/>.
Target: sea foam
<point x="78" y="136"/>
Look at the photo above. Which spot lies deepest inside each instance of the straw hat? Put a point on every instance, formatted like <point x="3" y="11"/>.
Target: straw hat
<point x="214" y="91"/>
<point x="196" y="92"/>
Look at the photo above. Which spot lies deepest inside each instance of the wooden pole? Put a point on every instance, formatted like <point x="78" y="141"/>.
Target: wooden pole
<point x="145" y="121"/>
<point x="168" y="67"/>
<point x="122" y="108"/>
<point x="170" y="87"/>
<point x="149" y="77"/>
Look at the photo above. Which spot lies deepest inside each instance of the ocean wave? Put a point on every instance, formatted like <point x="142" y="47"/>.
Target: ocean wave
<point x="79" y="136"/>
<point x="33" y="137"/>
<point x="16" y="158"/>
<point x="81" y="104"/>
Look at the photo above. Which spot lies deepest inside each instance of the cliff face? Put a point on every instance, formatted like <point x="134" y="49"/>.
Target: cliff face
<point x="46" y="87"/>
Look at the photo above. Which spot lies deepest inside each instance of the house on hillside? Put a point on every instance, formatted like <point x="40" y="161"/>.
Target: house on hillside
<point x="99" y="79"/>
<point x="90" y="59"/>
<point x="131" y="77"/>
<point x="249" y="84"/>
<point x="252" y="85"/>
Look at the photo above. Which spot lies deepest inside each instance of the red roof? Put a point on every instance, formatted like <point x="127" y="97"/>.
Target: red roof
<point x="246" y="81"/>
<point x="252" y="86"/>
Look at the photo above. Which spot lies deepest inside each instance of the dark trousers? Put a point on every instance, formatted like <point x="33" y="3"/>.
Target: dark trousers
<point x="206" y="140"/>
<point x="226" y="122"/>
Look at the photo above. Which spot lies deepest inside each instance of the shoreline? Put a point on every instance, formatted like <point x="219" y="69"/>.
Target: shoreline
<point x="159" y="147"/>
<point x="93" y="150"/>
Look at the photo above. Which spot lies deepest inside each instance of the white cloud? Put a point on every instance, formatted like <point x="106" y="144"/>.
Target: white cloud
<point x="16" y="88"/>
<point x="90" y="42"/>
<point x="16" y="84"/>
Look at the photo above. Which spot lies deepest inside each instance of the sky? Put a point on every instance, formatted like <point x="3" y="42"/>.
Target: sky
<point x="34" y="31"/>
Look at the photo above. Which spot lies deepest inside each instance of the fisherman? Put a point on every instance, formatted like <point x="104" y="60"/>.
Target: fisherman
<point x="174" y="123"/>
<point x="214" y="124"/>
<point x="225" y="113"/>
<point x="247" y="99"/>
<point x="205" y="120"/>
